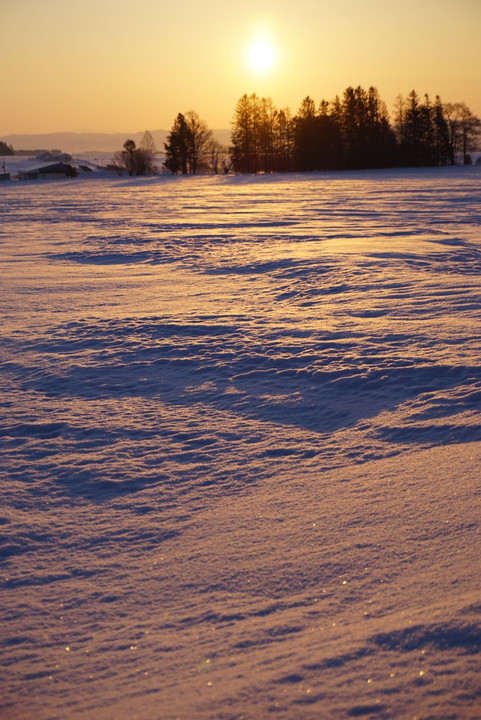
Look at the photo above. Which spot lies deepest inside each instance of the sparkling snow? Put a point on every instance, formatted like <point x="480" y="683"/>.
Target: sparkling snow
<point x="240" y="441"/>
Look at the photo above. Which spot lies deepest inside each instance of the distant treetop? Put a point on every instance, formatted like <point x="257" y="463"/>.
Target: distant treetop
<point x="6" y="149"/>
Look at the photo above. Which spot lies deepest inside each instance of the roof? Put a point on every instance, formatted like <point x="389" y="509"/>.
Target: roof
<point x="58" y="167"/>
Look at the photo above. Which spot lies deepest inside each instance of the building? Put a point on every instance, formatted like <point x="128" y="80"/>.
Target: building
<point x="50" y="172"/>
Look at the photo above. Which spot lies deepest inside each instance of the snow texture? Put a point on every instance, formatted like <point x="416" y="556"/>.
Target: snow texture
<point x="240" y="437"/>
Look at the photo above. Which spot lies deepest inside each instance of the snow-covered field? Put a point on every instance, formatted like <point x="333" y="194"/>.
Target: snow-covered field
<point x="240" y="443"/>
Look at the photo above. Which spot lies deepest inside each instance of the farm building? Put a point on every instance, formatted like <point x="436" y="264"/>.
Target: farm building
<point x="51" y="171"/>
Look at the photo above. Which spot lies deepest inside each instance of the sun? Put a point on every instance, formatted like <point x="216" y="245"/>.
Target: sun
<point x="261" y="56"/>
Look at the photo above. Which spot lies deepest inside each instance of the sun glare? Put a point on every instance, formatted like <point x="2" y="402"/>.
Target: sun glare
<point x="261" y="56"/>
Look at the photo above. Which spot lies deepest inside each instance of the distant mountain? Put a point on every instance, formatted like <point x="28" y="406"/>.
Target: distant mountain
<point x="75" y="143"/>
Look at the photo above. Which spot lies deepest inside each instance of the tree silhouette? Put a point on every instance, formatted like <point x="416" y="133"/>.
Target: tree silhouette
<point x="146" y="155"/>
<point x="177" y="147"/>
<point x="199" y="139"/>
<point x="244" y="135"/>
<point x="262" y="136"/>
<point x="136" y="160"/>
<point x="470" y="127"/>
<point x="6" y="149"/>
<point x="283" y="141"/>
<point x="441" y="152"/>
<point x="188" y="146"/>
<point x="128" y="156"/>
<point x="351" y="132"/>
<point x="306" y="135"/>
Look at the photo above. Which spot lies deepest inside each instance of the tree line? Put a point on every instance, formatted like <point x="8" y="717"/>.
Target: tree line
<point x="353" y="131"/>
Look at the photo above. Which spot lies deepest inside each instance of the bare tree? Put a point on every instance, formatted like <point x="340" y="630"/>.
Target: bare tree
<point x="464" y="130"/>
<point x="452" y="115"/>
<point x="470" y="130"/>
<point x="200" y="138"/>
<point x="125" y="159"/>
<point x="146" y="155"/>
<point x="216" y="154"/>
<point x="136" y="160"/>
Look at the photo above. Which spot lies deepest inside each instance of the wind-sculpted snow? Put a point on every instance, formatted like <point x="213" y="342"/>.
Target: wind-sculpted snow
<point x="240" y="436"/>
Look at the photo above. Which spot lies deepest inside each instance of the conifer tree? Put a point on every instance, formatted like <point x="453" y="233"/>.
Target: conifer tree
<point x="441" y="155"/>
<point x="246" y="135"/>
<point x="283" y="141"/>
<point x="412" y="130"/>
<point x="242" y="138"/>
<point x="177" y="147"/>
<point x="306" y="136"/>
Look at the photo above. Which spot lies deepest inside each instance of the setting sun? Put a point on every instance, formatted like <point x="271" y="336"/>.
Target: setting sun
<point x="261" y="56"/>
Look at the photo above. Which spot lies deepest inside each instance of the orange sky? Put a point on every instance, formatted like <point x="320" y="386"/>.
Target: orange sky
<point x="118" y="66"/>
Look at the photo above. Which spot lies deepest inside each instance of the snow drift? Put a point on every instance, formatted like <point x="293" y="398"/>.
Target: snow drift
<point x="240" y="439"/>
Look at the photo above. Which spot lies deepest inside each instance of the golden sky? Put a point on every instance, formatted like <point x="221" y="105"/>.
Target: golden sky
<point x="124" y="66"/>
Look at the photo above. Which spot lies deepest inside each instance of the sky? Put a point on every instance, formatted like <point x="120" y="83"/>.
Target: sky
<point x="118" y="65"/>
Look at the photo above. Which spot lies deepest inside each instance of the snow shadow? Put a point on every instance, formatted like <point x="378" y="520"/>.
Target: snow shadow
<point x="204" y="381"/>
<point x="466" y="638"/>
<point x="320" y="382"/>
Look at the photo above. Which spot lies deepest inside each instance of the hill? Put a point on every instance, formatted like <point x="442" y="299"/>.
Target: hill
<point x="75" y="143"/>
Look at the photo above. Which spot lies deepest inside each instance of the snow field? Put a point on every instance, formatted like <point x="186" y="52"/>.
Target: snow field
<point x="240" y="435"/>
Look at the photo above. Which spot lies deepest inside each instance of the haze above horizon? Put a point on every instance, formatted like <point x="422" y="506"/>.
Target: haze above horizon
<point x="113" y="66"/>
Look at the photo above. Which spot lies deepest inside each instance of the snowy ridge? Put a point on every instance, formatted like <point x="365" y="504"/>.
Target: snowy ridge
<point x="240" y="438"/>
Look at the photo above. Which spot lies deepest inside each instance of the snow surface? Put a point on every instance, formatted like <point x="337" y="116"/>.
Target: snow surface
<point x="240" y="437"/>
